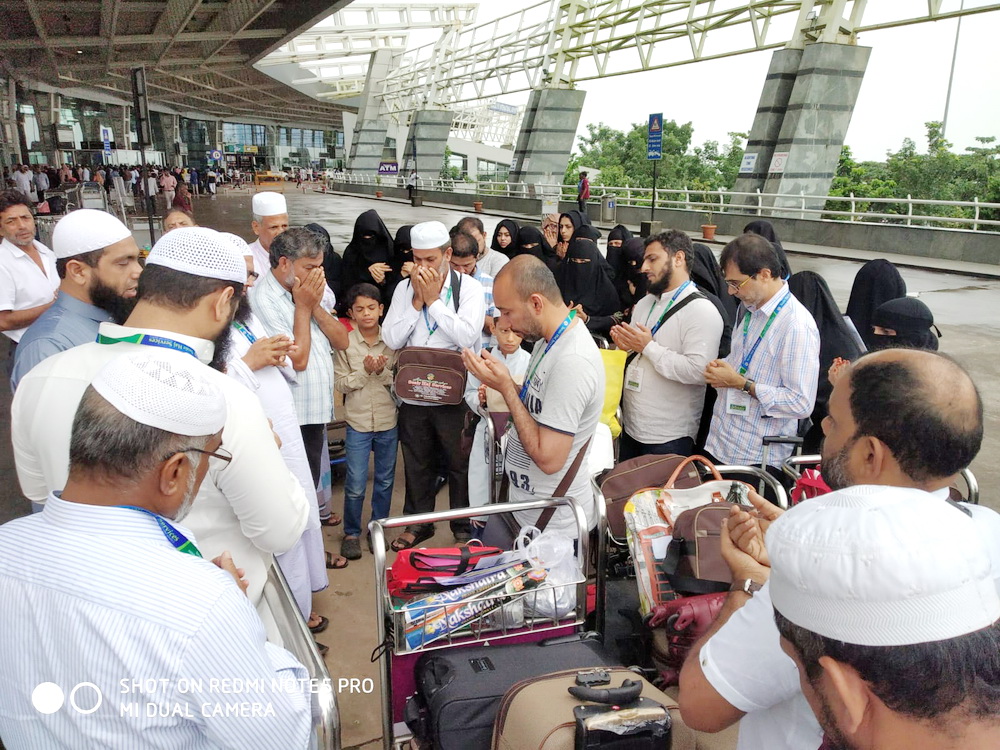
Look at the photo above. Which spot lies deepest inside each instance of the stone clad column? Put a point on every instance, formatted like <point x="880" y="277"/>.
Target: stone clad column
<point x="547" y="134"/>
<point x="427" y="137"/>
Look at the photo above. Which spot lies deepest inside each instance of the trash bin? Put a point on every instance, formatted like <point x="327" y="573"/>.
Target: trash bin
<point x="609" y="209"/>
<point x="416" y="201"/>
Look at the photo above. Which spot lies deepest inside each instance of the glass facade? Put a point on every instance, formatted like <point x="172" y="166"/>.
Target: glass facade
<point x="244" y="134"/>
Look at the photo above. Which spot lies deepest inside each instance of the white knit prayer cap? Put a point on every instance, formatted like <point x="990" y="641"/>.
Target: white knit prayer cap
<point x="881" y="566"/>
<point x="163" y="389"/>
<point x="429" y="235"/>
<point x="199" y="251"/>
<point x="268" y="204"/>
<point x="85" y="230"/>
<point x="238" y="242"/>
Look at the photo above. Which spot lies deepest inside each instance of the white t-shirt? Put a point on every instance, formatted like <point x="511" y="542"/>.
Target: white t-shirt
<point x="23" y="284"/>
<point x="565" y="394"/>
<point x="745" y="664"/>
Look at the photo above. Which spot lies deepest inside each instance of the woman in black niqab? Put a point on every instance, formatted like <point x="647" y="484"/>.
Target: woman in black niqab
<point x="910" y="322"/>
<point x="835" y="340"/>
<point x="766" y="230"/>
<point x="370" y="255"/>
<point x="877" y="281"/>
<point x="617" y="238"/>
<point x="584" y="278"/>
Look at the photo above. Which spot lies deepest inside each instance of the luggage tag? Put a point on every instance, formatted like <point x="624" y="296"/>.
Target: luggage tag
<point x="737" y="402"/>
<point x="633" y="378"/>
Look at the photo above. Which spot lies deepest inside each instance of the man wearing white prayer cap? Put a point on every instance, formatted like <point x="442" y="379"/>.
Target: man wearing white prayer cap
<point x="106" y="589"/>
<point x="97" y="260"/>
<point x="270" y="218"/>
<point x="887" y="604"/>
<point x="188" y="292"/>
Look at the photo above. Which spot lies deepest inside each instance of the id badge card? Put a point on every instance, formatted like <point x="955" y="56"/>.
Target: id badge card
<point x="633" y="378"/>
<point x="737" y="402"/>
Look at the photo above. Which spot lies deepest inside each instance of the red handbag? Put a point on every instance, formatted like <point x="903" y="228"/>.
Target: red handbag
<point x="414" y="570"/>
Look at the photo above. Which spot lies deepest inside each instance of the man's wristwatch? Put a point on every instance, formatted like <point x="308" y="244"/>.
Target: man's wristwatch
<point x="747" y="384"/>
<point x="748" y="586"/>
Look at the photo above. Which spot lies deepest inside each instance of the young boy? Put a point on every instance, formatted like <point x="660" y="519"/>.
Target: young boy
<point x="509" y="351"/>
<point x="364" y="376"/>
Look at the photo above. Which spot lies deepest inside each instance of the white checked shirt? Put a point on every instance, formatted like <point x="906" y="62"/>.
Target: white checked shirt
<point x="786" y="371"/>
<point x="98" y="595"/>
<point x="313" y="389"/>
<point x="487" y="281"/>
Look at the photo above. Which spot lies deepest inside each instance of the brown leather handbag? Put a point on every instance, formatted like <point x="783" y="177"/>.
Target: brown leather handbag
<point x="431" y="376"/>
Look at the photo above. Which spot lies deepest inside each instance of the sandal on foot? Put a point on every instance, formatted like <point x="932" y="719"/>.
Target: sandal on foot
<point x="410" y="538"/>
<point x="319" y="627"/>
<point x="333" y="520"/>
<point x="335" y="563"/>
<point x="351" y="548"/>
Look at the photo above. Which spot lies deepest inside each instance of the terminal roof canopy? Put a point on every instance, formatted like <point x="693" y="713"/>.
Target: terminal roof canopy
<point x="198" y="54"/>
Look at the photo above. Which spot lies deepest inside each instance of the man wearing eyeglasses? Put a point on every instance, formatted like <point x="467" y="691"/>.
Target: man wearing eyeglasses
<point x="188" y="293"/>
<point x="767" y="383"/>
<point x="105" y="591"/>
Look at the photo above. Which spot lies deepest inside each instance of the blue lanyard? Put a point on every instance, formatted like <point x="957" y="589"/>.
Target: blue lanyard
<point x="667" y="309"/>
<point x="555" y="337"/>
<point x="427" y="322"/>
<point x="746" y="325"/>
<point x="245" y="331"/>
<point x="176" y="538"/>
<point x="144" y="339"/>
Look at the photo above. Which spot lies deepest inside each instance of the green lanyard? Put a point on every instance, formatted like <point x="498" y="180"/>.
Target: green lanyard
<point x="746" y="326"/>
<point x="670" y="304"/>
<point x="427" y="322"/>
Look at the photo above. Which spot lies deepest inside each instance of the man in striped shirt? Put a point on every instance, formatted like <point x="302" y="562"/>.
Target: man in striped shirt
<point x="116" y="632"/>
<point x="768" y="381"/>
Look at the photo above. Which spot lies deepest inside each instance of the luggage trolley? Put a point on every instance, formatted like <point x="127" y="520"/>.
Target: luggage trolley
<point x="793" y="466"/>
<point x="397" y="658"/>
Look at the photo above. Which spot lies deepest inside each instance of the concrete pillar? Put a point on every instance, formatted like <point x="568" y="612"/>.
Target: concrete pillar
<point x="767" y="122"/>
<point x="372" y="124"/>
<point x="815" y="124"/>
<point x="427" y="139"/>
<point x="547" y="134"/>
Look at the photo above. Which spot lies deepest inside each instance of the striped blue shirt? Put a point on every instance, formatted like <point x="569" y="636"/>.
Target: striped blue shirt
<point x="487" y="281"/>
<point x="98" y="602"/>
<point x="786" y="370"/>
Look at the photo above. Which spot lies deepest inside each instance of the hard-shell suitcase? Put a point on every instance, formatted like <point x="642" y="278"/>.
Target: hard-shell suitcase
<point x="538" y="714"/>
<point x="459" y="689"/>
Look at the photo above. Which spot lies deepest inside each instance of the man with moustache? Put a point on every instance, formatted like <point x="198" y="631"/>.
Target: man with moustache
<point x="767" y="383"/>
<point x="188" y="292"/>
<point x="674" y="333"/>
<point x="105" y="584"/>
<point x="97" y="260"/>
<point x="898" y="418"/>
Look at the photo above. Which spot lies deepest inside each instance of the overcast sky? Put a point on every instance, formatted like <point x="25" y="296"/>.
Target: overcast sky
<point x="905" y="84"/>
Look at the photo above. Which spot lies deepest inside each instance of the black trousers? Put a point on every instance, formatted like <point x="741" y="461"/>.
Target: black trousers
<point x="314" y="435"/>
<point x="426" y="433"/>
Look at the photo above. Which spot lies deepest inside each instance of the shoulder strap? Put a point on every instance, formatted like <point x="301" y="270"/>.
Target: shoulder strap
<point x="696" y="294"/>
<point x="456" y="285"/>
<point x="546" y="515"/>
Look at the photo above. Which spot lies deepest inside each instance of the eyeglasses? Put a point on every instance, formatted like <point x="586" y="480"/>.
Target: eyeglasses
<point x="736" y="286"/>
<point x="220" y="453"/>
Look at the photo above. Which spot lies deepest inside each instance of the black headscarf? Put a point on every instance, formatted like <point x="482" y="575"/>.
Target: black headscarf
<point x="835" y="340"/>
<point x="580" y="220"/>
<point x="333" y="266"/>
<point x="877" y="281"/>
<point x="912" y="321"/>
<point x="401" y="250"/>
<point x="362" y="253"/>
<point x="530" y="236"/>
<point x="766" y="230"/>
<point x="584" y="278"/>
<point x="630" y="256"/>
<point x="512" y="228"/>
<point x="707" y="276"/>
<point x="614" y="254"/>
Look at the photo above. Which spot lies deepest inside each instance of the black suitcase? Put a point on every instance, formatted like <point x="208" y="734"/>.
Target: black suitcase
<point x="459" y="689"/>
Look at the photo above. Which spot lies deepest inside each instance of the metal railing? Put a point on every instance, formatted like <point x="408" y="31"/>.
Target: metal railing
<point x="909" y="211"/>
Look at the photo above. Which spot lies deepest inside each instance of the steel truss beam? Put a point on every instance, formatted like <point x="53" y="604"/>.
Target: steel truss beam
<point x="561" y="42"/>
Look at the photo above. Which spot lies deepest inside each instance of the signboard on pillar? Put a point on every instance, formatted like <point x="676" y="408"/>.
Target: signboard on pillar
<point x="778" y="162"/>
<point x="388" y="167"/>
<point x="748" y="164"/>
<point x="654" y="137"/>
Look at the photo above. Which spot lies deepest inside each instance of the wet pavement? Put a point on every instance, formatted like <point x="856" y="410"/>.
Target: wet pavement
<point x="965" y="308"/>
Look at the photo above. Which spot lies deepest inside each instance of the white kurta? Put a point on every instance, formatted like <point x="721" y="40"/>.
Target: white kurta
<point x="304" y="564"/>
